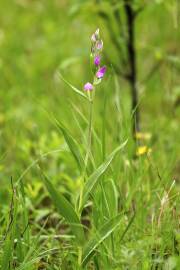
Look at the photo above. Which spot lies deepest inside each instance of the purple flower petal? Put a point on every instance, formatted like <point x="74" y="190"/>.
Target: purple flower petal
<point x="100" y="73"/>
<point x="88" y="86"/>
<point x="97" y="60"/>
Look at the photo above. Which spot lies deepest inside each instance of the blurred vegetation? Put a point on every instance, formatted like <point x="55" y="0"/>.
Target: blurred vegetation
<point x="40" y="38"/>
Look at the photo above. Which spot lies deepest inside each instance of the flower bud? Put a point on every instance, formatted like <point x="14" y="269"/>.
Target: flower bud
<point x="100" y="73"/>
<point x="95" y="36"/>
<point x="88" y="87"/>
<point x="97" y="60"/>
<point x="99" y="45"/>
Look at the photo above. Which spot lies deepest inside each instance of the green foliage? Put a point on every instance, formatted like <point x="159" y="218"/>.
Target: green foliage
<point x="99" y="237"/>
<point x="66" y="210"/>
<point x="73" y="146"/>
<point x="96" y="210"/>
<point x="93" y="179"/>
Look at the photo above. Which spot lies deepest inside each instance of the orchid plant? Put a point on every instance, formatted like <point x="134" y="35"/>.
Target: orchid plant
<point x="89" y="180"/>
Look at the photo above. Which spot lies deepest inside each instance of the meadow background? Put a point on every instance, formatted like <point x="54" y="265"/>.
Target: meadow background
<point x="39" y="39"/>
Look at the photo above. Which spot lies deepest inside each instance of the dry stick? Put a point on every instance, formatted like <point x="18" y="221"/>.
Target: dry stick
<point x="130" y="15"/>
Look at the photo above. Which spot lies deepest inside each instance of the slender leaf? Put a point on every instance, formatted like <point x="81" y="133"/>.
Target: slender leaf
<point x="127" y="227"/>
<point x="7" y="253"/>
<point x="112" y="197"/>
<point x="93" y="179"/>
<point x="8" y="247"/>
<point x="33" y="251"/>
<point x="85" y="120"/>
<point x="99" y="237"/>
<point x="73" y="145"/>
<point x="66" y="210"/>
<point x="77" y="91"/>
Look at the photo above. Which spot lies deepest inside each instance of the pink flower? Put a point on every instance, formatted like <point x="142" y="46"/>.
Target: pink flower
<point x="100" y="73"/>
<point x="88" y="87"/>
<point x="99" y="45"/>
<point x="97" y="60"/>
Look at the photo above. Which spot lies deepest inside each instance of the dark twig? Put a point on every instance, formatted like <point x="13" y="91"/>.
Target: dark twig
<point x="130" y="15"/>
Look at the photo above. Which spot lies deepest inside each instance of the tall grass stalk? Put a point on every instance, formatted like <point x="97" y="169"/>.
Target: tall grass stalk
<point x="89" y="143"/>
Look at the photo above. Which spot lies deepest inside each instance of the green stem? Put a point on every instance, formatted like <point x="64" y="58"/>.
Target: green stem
<point x="89" y="142"/>
<point x="79" y="256"/>
<point x="89" y="135"/>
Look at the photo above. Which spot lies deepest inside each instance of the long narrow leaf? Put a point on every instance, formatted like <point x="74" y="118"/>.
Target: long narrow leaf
<point x="99" y="237"/>
<point x="66" y="210"/>
<point x="8" y="247"/>
<point x="127" y="227"/>
<point x="77" y="91"/>
<point x="7" y="253"/>
<point x="73" y="145"/>
<point x="93" y="179"/>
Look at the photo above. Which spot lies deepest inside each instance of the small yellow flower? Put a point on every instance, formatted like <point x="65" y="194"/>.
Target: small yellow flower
<point x="141" y="150"/>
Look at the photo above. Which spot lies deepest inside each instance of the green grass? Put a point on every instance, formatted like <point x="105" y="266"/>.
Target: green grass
<point x="66" y="205"/>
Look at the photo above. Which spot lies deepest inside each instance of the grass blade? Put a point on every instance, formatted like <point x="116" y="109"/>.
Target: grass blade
<point x="10" y="234"/>
<point x="77" y="91"/>
<point x="66" y="210"/>
<point x="7" y="253"/>
<point x="128" y="226"/>
<point x="73" y="145"/>
<point x="93" y="179"/>
<point x="99" y="237"/>
<point x="109" y="199"/>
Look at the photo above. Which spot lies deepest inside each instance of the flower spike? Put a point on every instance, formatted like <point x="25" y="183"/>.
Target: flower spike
<point x="98" y="72"/>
